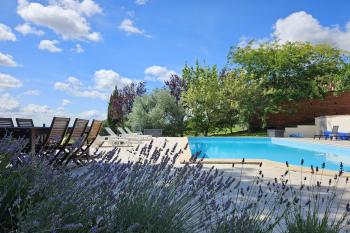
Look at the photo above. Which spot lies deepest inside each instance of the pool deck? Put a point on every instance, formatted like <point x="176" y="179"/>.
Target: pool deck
<point x="272" y="168"/>
<point x="340" y="143"/>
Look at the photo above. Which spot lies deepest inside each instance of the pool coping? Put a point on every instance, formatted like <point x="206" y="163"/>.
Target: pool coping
<point x="293" y="168"/>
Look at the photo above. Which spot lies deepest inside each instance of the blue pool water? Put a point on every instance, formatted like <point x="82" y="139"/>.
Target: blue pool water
<point x="275" y="149"/>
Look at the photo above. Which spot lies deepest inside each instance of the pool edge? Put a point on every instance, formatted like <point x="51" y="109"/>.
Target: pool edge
<point x="292" y="168"/>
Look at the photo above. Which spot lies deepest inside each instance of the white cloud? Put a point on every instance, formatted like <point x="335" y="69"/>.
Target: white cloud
<point x="32" y="93"/>
<point x="301" y="26"/>
<point x="6" y="33"/>
<point x="108" y="79"/>
<point x="104" y="82"/>
<point x="141" y="2"/>
<point x="27" y="29"/>
<point x="127" y="25"/>
<point x="41" y="114"/>
<point x="74" y="86"/>
<point x="244" y="41"/>
<point x="86" y="7"/>
<point x="78" y="49"/>
<point x="7" y="60"/>
<point x="67" y="18"/>
<point x="34" y="108"/>
<point x="65" y="102"/>
<point x="92" y="114"/>
<point x="8" y="103"/>
<point x="50" y="45"/>
<point x="160" y="73"/>
<point x="7" y="81"/>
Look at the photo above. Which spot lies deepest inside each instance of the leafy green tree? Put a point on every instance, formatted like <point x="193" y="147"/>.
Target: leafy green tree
<point x="244" y="97"/>
<point x="203" y="98"/>
<point x="158" y="110"/>
<point x="277" y="74"/>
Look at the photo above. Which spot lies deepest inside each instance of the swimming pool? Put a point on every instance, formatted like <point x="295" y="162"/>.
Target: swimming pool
<point x="275" y="149"/>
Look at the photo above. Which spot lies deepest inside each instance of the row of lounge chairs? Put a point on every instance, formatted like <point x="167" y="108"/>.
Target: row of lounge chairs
<point x="22" y="123"/>
<point x="333" y="135"/>
<point x="72" y="144"/>
<point x="125" y="138"/>
<point x="59" y="141"/>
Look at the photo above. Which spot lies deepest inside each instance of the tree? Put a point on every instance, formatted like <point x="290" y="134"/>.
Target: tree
<point x="287" y="73"/>
<point x="158" y="109"/>
<point x="121" y="102"/>
<point x="202" y="98"/>
<point x="176" y="86"/>
<point x="115" y="115"/>
<point x="244" y="97"/>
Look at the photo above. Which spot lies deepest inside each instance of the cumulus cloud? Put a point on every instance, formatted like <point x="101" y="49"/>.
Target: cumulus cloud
<point x="301" y="26"/>
<point x="8" y="102"/>
<point x="127" y="26"/>
<point x="67" y="18"/>
<point x="50" y="45"/>
<point x="74" y="86"/>
<point x="7" y="60"/>
<point x="108" y="79"/>
<point x="65" y="102"/>
<point x="7" y="81"/>
<point x="104" y="82"/>
<point x="32" y="93"/>
<point x="92" y="114"/>
<point x="27" y="29"/>
<point x="160" y="73"/>
<point x="244" y="41"/>
<point x="78" y="49"/>
<point x="41" y="114"/>
<point x="34" y="108"/>
<point x="141" y="2"/>
<point x="85" y="7"/>
<point x="6" y="33"/>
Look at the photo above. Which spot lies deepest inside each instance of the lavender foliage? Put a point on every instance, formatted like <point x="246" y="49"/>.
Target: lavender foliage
<point x="153" y="193"/>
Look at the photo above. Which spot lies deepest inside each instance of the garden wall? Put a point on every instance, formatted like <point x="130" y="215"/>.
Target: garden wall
<point x="306" y="111"/>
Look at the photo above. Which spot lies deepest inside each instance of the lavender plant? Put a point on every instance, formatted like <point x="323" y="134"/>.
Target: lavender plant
<point x="318" y="208"/>
<point x="255" y="207"/>
<point x="151" y="192"/>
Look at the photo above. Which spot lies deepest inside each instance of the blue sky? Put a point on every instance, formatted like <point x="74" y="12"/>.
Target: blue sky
<point x="63" y="57"/>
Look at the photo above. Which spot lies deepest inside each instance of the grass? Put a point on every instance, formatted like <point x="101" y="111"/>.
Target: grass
<point x="237" y="131"/>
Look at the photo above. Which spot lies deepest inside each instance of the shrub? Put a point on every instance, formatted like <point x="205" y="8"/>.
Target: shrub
<point x="157" y="110"/>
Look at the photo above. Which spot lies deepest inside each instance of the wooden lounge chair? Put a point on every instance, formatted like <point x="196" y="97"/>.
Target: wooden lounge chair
<point x="55" y="137"/>
<point x="82" y="152"/>
<point x="6" y="123"/>
<point x="24" y="123"/>
<point x="76" y="134"/>
<point x="333" y="134"/>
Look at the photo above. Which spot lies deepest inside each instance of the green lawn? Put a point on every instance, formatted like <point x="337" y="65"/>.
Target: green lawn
<point x="236" y="131"/>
